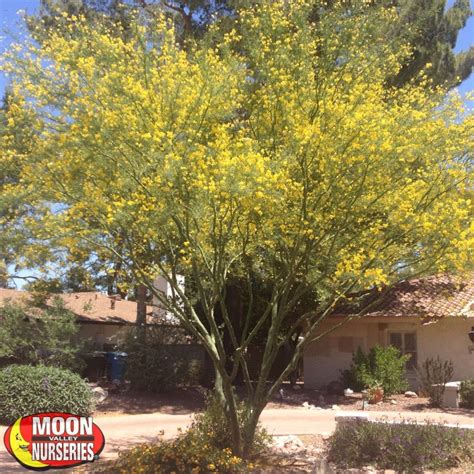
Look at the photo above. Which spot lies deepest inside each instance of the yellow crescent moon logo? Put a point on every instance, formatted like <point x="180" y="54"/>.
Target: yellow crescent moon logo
<point x="19" y="447"/>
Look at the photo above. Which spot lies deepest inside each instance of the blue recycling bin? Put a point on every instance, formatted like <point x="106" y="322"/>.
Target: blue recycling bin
<point x="116" y="362"/>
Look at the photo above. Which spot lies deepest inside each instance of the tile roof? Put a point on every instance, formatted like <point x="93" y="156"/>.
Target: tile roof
<point x="88" y="306"/>
<point x="430" y="297"/>
<point x="95" y="306"/>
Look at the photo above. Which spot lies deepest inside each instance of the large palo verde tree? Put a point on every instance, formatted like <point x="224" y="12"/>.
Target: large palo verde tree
<point x="274" y="151"/>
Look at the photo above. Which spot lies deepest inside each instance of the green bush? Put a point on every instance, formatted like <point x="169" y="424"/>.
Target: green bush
<point x="433" y="376"/>
<point x="212" y="423"/>
<point x="404" y="446"/>
<point x="204" y="447"/>
<point x="158" y="364"/>
<point x="382" y="366"/>
<point x="25" y="390"/>
<point x="40" y="335"/>
<point x="467" y="393"/>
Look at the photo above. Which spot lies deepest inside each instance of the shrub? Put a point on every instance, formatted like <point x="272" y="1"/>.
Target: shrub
<point x="357" y="375"/>
<point x="204" y="447"/>
<point x="25" y="390"/>
<point x="375" y="394"/>
<point x="185" y="454"/>
<point x="382" y="366"/>
<point x="467" y="393"/>
<point x="433" y="376"/>
<point x="159" y="364"/>
<point x="214" y="424"/>
<point x="404" y="446"/>
<point x="45" y="335"/>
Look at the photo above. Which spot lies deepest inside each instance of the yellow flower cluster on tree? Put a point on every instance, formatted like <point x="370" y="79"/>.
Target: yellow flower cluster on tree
<point x="278" y="150"/>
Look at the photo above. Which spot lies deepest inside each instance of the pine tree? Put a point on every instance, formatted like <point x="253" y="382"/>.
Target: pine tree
<point x="432" y="31"/>
<point x="430" y="27"/>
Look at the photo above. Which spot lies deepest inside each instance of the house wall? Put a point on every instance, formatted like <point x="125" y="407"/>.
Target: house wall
<point x="325" y="358"/>
<point x="448" y="338"/>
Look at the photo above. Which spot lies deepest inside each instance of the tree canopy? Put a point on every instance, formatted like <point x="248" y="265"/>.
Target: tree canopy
<point x="35" y="333"/>
<point x="275" y="150"/>
<point x="432" y="30"/>
<point x="429" y="26"/>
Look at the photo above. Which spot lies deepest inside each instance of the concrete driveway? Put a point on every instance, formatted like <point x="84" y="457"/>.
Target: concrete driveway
<point x="123" y="431"/>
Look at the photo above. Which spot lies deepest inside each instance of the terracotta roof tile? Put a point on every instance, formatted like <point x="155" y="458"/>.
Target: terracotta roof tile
<point x="430" y="297"/>
<point x="88" y="306"/>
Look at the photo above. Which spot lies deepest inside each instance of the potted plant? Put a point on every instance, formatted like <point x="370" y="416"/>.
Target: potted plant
<point x="375" y="394"/>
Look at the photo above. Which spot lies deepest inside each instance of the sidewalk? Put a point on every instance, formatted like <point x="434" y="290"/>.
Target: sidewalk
<point x="123" y="431"/>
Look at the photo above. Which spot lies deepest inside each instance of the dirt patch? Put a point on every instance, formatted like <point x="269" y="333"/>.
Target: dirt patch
<point x="314" y="443"/>
<point x="192" y="399"/>
<point x="294" y="454"/>
<point x="184" y="401"/>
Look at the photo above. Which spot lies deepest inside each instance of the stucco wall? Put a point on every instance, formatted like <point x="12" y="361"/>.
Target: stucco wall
<point x="324" y="358"/>
<point x="448" y="338"/>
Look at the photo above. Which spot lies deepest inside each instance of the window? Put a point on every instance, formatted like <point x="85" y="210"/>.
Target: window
<point x="405" y="342"/>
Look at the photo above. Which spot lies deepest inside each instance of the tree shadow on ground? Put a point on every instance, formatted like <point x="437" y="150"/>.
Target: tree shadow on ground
<point x="183" y="401"/>
<point x="188" y="400"/>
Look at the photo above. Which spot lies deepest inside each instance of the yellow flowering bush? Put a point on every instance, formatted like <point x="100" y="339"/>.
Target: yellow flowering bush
<point x="204" y="447"/>
<point x="186" y="454"/>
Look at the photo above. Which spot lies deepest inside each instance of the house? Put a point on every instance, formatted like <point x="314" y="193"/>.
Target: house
<point x="104" y="320"/>
<point x="425" y="318"/>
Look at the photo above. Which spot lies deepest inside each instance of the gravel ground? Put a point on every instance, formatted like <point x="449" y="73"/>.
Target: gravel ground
<point x="190" y="400"/>
<point x="395" y="403"/>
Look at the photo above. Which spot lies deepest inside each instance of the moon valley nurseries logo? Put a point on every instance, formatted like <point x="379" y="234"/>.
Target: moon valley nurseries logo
<point x="54" y="440"/>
